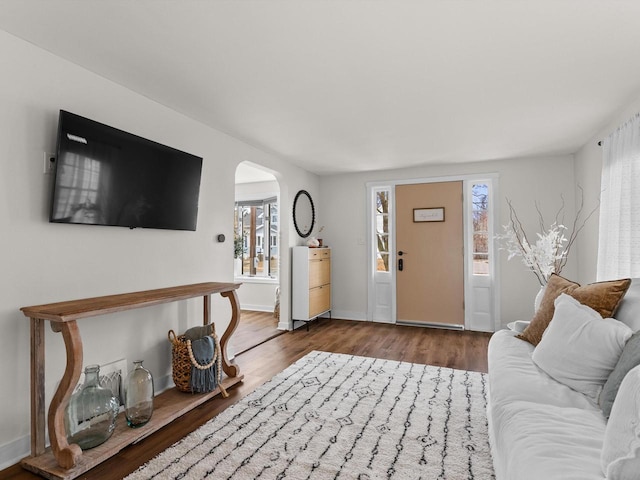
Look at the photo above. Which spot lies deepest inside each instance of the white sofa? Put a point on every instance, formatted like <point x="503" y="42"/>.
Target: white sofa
<point x="541" y="429"/>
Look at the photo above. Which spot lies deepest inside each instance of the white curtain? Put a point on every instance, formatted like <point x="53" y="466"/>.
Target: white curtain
<point x="619" y="240"/>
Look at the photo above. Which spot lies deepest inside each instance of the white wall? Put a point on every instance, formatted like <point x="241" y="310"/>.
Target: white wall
<point x="524" y="181"/>
<point x="44" y="262"/>
<point x="256" y="296"/>
<point x="256" y="190"/>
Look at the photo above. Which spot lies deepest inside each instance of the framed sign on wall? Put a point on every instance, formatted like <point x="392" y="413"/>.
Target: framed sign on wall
<point x="428" y="214"/>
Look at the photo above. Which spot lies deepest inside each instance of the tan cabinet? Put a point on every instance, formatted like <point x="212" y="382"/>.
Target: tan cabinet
<point x="311" y="283"/>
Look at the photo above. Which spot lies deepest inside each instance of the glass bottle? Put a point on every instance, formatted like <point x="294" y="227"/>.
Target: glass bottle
<point x="138" y="394"/>
<point x="90" y="417"/>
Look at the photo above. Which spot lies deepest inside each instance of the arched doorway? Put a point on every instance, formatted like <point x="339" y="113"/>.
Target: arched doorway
<point x="257" y="253"/>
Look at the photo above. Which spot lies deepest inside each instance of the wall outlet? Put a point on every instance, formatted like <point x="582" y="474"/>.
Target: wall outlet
<point x="48" y="162"/>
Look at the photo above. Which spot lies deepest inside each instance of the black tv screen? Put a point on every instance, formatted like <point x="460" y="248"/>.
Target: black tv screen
<point x="105" y="176"/>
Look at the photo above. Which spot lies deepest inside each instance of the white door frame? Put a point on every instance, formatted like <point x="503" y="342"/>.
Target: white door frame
<point x="480" y="294"/>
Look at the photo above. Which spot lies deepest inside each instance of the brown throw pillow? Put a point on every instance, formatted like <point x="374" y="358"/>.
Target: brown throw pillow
<point x="555" y="286"/>
<point x="603" y="297"/>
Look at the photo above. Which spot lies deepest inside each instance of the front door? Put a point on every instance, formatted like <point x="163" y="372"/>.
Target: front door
<point x="429" y="254"/>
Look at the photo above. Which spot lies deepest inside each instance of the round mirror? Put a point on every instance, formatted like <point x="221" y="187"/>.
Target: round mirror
<point x="304" y="213"/>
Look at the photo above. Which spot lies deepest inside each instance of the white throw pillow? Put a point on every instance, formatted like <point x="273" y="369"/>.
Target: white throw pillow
<point x="579" y="348"/>
<point x="620" y="458"/>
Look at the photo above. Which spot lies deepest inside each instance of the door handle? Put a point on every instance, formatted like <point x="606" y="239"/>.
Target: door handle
<point x="400" y="264"/>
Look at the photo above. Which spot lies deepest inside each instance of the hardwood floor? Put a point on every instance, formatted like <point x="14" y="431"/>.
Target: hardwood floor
<point x="254" y="328"/>
<point x="455" y="349"/>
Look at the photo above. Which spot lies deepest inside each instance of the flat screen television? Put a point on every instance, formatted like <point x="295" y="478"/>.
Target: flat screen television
<point x="105" y="176"/>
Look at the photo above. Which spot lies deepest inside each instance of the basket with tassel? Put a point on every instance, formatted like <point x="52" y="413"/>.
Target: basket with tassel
<point x="185" y="363"/>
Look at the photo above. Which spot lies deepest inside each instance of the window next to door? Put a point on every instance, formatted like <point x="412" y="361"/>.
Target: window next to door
<point x="382" y="229"/>
<point x="480" y="215"/>
<point x="256" y="238"/>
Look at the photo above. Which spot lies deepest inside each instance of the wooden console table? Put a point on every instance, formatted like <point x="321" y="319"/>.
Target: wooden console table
<point x="65" y="461"/>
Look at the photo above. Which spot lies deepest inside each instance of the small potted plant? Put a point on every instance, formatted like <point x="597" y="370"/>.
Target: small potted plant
<point x="237" y="253"/>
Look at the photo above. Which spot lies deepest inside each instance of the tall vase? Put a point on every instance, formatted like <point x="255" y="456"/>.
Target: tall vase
<point x="538" y="300"/>
<point x="90" y="417"/>
<point x="138" y="404"/>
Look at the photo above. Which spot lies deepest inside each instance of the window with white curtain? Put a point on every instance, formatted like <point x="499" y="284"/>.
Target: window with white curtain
<point x="619" y="236"/>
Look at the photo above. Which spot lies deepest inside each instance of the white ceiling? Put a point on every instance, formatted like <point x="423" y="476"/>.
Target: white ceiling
<point x="353" y="85"/>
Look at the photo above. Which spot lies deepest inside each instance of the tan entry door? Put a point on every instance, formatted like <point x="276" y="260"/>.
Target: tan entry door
<point x="429" y="261"/>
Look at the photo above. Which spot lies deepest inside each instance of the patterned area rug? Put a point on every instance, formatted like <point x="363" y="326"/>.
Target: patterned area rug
<point x="340" y="416"/>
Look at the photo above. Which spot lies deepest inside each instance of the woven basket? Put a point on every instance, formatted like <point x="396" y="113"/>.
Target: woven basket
<point x="182" y="359"/>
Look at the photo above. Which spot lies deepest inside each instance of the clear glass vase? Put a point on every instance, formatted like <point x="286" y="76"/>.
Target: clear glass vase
<point x="90" y="417"/>
<point x="138" y="394"/>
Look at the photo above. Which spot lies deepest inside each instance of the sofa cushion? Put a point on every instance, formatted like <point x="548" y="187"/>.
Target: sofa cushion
<point x="513" y="377"/>
<point x="629" y="359"/>
<point x="535" y="441"/>
<point x="620" y="458"/>
<point x="603" y="297"/>
<point x="579" y="348"/>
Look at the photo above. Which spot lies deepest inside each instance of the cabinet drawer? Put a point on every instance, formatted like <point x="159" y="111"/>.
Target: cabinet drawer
<point x="319" y="300"/>
<point x="319" y="272"/>
<point x="316" y="253"/>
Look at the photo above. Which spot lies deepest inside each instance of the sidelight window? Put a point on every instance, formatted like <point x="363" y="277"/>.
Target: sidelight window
<point x="480" y="215"/>
<point x="382" y="233"/>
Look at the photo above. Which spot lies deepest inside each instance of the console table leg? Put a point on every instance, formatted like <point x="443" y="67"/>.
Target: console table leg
<point x="37" y="388"/>
<point x="229" y="369"/>
<point x="66" y="455"/>
<point x="207" y="310"/>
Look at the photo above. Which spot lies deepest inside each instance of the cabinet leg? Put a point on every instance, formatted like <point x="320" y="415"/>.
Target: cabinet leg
<point x="66" y="455"/>
<point x="229" y="369"/>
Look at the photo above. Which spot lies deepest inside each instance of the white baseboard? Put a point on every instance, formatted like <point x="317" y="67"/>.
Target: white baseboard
<point x="14" y="451"/>
<point x="349" y="315"/>
<point x="283" y="325"/>
<point x="257" y="308"/>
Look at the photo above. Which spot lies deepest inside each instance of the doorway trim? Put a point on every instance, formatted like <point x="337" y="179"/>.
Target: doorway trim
<point x="373" y="313"/>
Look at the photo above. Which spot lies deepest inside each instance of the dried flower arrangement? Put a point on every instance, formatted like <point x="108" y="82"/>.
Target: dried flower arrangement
<point x="550" y="251"/>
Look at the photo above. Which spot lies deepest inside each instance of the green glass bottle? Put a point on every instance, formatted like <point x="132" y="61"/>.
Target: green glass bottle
<point x="138" y="403"/>
<point x="90" y="417"/>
